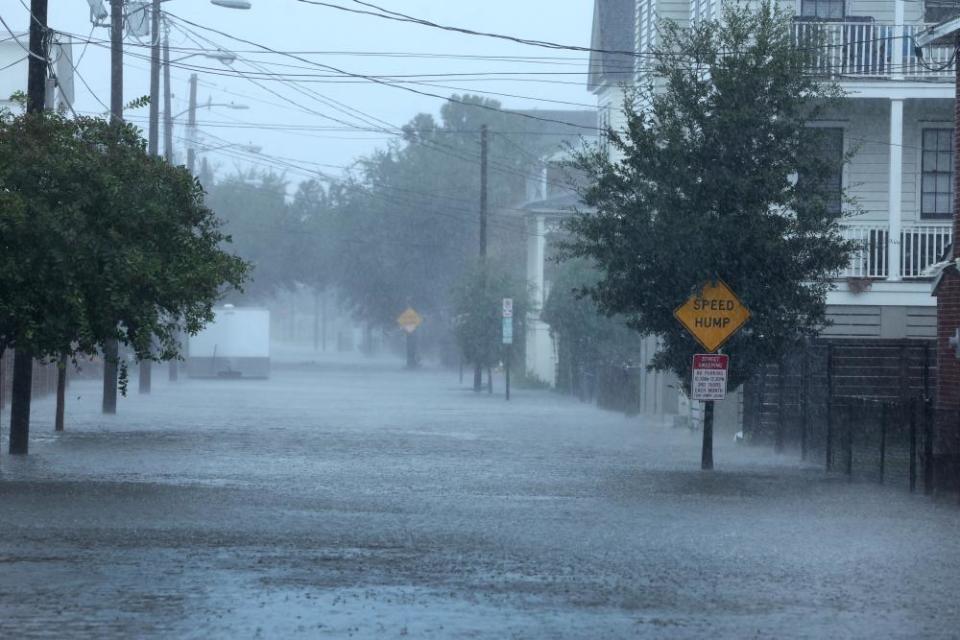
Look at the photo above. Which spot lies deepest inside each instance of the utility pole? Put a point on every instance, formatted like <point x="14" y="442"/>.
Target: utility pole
<point x="167" y="101"/>
<point x="174" y="365"/>
<point x="192" y="125"/>
<point x="478" y="369"/>
<point x="22" y="357"/>
<point x="153" y="143"/>
<point x="111" y="348"/>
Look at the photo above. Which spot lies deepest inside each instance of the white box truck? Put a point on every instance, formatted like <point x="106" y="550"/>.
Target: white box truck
<point x="235" y="345"/>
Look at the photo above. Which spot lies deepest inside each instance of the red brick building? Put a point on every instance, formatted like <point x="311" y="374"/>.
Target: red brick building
<point x="946" y="434"/>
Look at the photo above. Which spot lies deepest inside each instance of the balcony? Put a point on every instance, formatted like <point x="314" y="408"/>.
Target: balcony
<point x="921" y="247"/>
<point x="866" y="50"/>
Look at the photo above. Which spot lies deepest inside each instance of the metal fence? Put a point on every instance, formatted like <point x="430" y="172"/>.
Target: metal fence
<point x="887" y="441"/>
<point x="612" y="387"/>
<point x="863" y="408"/>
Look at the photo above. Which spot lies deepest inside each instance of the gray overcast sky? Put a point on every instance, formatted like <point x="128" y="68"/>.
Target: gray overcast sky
<point x="289" y="25"/>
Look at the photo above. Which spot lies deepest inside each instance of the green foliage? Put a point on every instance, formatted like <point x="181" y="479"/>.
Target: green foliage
<point x="702" y="186"/>
<point x="263" y="230"/>
<point x="478" y="304"/>
<point x="586" y="337"/>
<point x="101" y="241"/>
<point x="19" y="97"/>
<point x="137" y="103"/>
<point x="409" y="220"/>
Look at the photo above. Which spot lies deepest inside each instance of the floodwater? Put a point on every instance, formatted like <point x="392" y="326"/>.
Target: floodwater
<point x="355" y="499"/>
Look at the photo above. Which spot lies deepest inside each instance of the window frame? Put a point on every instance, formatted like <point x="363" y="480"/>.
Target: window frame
<point x="816" y="13"/>
<point x="840" y="128"/>
<point x="944" y="146"/>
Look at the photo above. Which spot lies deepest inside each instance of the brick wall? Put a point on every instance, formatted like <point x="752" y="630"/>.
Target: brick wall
<point x="947" y="407"/>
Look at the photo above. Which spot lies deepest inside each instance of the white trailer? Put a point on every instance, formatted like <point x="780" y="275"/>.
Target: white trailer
<point x="235" y="345"/>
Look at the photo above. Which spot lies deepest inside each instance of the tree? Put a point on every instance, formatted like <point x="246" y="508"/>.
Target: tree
<point x="256" y="215"/>
<point x="586" y="337"/>
<point x="704" y="186"/>
<point x="409" y="220"/>
<point x="102" y="241"/>
<point x="477" y="301"/>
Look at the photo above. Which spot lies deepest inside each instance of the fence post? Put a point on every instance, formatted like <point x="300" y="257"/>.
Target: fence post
<point x="804" y="390"/>
<point x="927" y="446"/>
<point x="829" y="439"/>
<point x="883" y="439"/>
<point x="913" y="444"/>
<point x="848" y="441"/>
<point x="781" y="406"/>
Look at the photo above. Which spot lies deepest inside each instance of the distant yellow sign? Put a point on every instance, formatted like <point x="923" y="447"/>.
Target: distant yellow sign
<point x="409" y="320"/>
<point x="713" y="315"/>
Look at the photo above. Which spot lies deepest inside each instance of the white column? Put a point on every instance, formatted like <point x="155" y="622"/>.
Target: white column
<point x="536" y="247"/>
<point x="899" y="39"/>
<point x="895" y="189"/>
<point x="535" y="251"/>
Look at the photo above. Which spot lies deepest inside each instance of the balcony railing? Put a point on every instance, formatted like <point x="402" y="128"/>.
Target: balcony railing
<point x="921" y="247"/>
<point x="869" y="50"/>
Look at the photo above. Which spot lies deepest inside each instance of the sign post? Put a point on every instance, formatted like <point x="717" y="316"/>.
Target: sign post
<point x="409" y="321"/>
<point x="508" y="340"/>
<point x="711" y="316"/>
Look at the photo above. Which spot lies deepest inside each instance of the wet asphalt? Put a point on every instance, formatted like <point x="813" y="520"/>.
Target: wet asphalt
<point x="349" y="498"/>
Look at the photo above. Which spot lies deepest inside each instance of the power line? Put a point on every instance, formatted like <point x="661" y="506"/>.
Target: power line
<point x="386" y="14"/>
<point x="378" y="81"/>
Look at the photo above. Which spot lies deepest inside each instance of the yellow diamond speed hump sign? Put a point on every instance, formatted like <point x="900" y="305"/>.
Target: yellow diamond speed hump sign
<point x="409" y="320"/>
<point x="712" y="315"/>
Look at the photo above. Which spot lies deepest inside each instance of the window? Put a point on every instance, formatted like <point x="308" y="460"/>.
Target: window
<point x="936" y="11"/>
<point x="824" y="177"/>
<point x="823" y="9"/>
<point x="604" y="128"/>
<point x="936" y="190"/>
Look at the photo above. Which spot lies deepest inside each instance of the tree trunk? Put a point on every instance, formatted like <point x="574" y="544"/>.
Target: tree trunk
<point x="316" y="320"/>
<point x="323" y="322"/>
<point x="3" y="394"/>
<point x="477" y="379"/>
<point x="110" y="356"/>
<point x="61" y="391"/>
<point x="146" y="373"/>
<point x="20" y="397"/>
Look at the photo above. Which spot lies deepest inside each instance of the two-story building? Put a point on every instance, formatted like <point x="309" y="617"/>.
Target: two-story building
<point x="896" y="121"/>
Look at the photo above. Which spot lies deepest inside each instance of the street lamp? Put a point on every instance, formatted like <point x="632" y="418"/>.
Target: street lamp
<point x="246" y="148"/>
<point x="222" y="56"/>
<point x="210" y="105"/>
<point x="231" y="4"/>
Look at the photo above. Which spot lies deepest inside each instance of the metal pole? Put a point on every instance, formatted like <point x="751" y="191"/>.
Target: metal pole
<point x="848" y="440"/>
<point x="706" y="454"/>
<point x="928" y="477"/>
<point x="883" y="440"/>
<point x="829" y="437"/>
<point x="509" y="360"/>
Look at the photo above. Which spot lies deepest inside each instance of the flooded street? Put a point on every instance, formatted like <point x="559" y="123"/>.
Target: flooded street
<point x="354" y="499"/>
